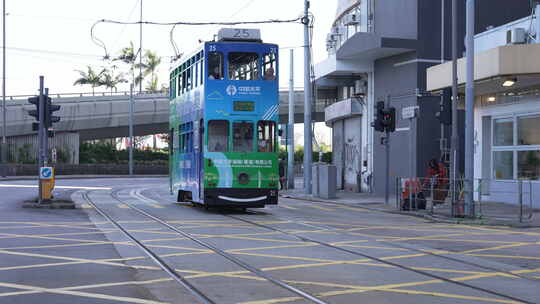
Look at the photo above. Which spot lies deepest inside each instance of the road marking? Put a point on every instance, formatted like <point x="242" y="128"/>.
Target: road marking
<point x="55" y="187"/>
<point x="504" y="256"/>
<point x="320" y="208"/>
<point x="86" y="206"/>
<point x="288" y="207"/>
<point x="93" y="286"/>
<point x="123" y="206"/>
<point x="79" y="293"/>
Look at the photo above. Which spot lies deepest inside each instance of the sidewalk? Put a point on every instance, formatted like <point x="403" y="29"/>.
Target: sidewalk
<point x="493" y="214"/>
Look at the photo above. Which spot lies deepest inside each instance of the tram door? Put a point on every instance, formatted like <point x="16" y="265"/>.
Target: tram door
<point x="201" y="159"/>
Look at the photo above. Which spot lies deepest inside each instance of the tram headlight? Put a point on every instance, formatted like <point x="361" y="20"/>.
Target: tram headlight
<point x="243" y="178"/>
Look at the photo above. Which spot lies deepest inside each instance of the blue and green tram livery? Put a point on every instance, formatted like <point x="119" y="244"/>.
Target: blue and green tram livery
<point x="223" y="122"/>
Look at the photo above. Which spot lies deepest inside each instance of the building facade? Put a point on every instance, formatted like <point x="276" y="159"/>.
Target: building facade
<point x="507" y="109"/>
<point x="379" y="51"/>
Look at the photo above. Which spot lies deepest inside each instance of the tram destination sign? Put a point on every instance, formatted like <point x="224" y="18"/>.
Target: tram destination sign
<point x="244" y="106"/>
<point x="237" y="34"/>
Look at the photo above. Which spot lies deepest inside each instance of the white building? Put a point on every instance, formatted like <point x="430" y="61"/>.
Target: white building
<point x="507" y="109"/>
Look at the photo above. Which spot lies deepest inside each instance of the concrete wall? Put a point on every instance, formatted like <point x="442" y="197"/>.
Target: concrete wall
<point x="66" y="143"/>
<point x="396" y="18"/>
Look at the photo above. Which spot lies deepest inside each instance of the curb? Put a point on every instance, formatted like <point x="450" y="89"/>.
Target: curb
<point x="432" y="218"/>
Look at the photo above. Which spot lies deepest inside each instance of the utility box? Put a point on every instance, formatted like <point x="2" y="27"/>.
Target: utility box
<point x="315" y="185"/>
<point x="327" y="181"/>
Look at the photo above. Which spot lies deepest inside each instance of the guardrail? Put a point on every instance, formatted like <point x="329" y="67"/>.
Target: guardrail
<point x="499" y="199"/>
<point x="84" y="94"/>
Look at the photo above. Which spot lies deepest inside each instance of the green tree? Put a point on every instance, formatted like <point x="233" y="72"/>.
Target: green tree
<point x="128" y="56"/>
<point x="111" y="80"/>
<point x="151" y="61"/>
<point x="90" y="77"/>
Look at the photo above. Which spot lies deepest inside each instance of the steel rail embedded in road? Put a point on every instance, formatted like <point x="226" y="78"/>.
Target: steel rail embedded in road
<point x="224" y="254"/>
<point x="170" y="271"/>
<point x="307" y="239"/>
<point x="420" y="251"/>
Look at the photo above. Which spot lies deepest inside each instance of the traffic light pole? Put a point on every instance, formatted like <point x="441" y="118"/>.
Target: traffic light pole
<point x="45" y="131"/>
<point x="41" y="134"/>
<point x="387" y="146"/>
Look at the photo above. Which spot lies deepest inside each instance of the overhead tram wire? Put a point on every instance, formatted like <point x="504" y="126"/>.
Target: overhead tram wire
<point x="101" y="44"/>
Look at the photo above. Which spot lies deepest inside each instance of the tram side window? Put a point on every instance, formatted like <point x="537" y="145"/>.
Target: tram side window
<point x="266" y="136"/>
<point x="179" y="79"/>
<point x="269" y="66"/>
<point x="189" y="75"/>
<point x="218" y="136"/>
<point x="243" y="136"/>
<point x="215" y="65"/>
<point x="243" y="66"/>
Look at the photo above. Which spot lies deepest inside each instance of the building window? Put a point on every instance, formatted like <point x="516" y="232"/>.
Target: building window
<point x="504" y="132"/>
<point x="528" y="130"/>
<point x="218" y="136"/>
<point x="516" y="147"/>
<point x="266" y="136"/>
<point x="243" y="136"/>
<point x="243" y="66"/>
<point x="503" y="164"/>
<point x="529" y="165"/>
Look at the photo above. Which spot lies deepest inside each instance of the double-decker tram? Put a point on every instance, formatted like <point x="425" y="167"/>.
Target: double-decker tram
<point x="223" y="122"/>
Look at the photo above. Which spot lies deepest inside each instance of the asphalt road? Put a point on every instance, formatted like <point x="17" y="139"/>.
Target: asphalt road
<point x="336" y="253"/>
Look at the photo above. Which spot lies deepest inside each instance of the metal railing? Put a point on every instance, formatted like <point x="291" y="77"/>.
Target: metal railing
<point x="85" y="94"/>
<point x="495" y="199"/>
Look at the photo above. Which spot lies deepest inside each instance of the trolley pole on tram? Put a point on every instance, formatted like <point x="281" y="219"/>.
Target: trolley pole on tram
<point x="307" y="102"/>
<point x="290" y="135"/>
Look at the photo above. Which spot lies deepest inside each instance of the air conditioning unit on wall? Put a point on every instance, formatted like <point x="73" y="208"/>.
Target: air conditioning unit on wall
<point x="351" y="19"/>
<point x="516" y="36"/>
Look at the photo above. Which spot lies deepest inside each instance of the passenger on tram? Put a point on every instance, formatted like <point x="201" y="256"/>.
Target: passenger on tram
<point x="269" y="74"/>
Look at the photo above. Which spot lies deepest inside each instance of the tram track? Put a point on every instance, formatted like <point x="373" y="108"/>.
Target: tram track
<point x="174" y="274"/>
<point x="386" y="262"/>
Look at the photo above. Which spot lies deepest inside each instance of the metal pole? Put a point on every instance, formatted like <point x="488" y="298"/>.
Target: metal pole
<point x="46" y="135"/>
<point x="454" y="141"/>
<point x="469" y="111"/>
<point x="307" y="103"/>
<point x="3" y="151"/>
<point x="131" y="129"/>
<point x="290" y="129"/>
<point x="41" y="129"/>
<point x="387" y="146"/>
<point x="520" y="200"/>
<point x="442" y="144"/>
<point x="141" y="52"/>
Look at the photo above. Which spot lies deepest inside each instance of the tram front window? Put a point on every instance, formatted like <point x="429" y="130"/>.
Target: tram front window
<point x="269" y="66"/>
<point x="243" y="136"/>
<point x="243" y="66"/>
<point x="218" y="134"/>
<point x="266" y="136"/>
<point x="215" y="65"/>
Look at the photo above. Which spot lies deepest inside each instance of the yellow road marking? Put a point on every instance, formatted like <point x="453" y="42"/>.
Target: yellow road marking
<point x="103" y="285"/>
<point x="320" y="208"/>
<point x="504" y="256"/>
<point x="79" y="293"/>
<point x="123" y="206"/>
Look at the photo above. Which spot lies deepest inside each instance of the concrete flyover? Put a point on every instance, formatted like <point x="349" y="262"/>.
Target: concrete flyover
<point x="106" y="115"/>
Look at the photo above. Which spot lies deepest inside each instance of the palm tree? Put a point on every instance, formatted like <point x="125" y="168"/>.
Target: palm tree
<point x="111" y="81"/>
<point x="128" y="56"/>
<point x="90" y="77"/>
<point x="150" y="65"/>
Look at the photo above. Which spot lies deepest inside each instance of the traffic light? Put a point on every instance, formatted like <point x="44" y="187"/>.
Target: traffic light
<point x="445" y="113"/>
<point x="377" y="124"/>
<point x="35" y="101"/>
<point x="49" y="110"/>
<point x="389" y="119"/>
